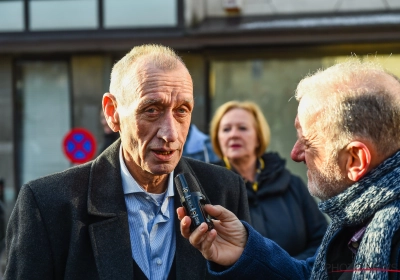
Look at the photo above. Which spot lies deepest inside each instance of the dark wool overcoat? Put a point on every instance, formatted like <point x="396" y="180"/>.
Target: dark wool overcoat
<point x="74" y="224"/>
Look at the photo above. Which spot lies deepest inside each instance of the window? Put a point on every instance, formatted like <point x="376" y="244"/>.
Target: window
<point x="11" y="16"/>
<point x="44" y="118"/>
<point x="63" y="14"/>
<point x="149" y="13"/>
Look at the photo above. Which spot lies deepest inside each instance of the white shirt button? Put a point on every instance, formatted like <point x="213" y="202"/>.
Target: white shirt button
<point x="159" y="261"/>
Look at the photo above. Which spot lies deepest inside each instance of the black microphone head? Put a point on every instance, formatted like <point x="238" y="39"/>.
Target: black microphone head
<point x="186" y="180"/>
<point x="180" y="181"/>
<point x="192" y="182"/>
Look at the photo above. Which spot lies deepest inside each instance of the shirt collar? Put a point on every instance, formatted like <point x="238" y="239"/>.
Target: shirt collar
<point x="129" y="183"/>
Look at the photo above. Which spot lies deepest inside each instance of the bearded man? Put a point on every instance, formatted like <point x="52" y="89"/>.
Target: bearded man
<point x="348" y="129"/>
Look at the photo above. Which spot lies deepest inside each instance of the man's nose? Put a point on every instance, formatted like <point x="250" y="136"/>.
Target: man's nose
<point x="168" y="130"/>
<point x="297" y="153"/>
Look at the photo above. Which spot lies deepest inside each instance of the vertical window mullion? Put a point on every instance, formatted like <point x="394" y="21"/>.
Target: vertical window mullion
<point x="100" y="8"/>
<point x="26" y="15"/>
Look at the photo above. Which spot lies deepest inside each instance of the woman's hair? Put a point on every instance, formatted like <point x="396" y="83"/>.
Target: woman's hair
<point x="260" y="123"/>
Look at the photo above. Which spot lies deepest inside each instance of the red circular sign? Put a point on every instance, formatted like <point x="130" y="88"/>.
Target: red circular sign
<point x="79" y="145"/>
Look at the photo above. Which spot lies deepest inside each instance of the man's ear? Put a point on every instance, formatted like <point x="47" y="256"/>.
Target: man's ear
<point x="358" y="161"/>
<point x="110" y="111"/>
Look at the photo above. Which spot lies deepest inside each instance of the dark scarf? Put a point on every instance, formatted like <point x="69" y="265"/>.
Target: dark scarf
<point x="375" y="196"/>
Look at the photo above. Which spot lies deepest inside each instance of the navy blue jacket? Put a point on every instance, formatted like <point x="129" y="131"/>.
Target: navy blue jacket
<point x="262" y="258"/>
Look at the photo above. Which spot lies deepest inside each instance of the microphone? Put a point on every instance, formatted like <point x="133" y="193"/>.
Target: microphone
<point x="192" y="200"/>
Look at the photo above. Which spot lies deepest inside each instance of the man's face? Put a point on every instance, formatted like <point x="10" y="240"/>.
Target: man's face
<point x="155" y="124"/>
<point x="325" y="176"/>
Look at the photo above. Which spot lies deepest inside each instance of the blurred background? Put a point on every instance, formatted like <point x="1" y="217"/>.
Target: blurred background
<point x="56" y="57"/>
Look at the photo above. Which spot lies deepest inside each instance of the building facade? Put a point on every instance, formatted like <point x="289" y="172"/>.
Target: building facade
<point x="56" y="57"/>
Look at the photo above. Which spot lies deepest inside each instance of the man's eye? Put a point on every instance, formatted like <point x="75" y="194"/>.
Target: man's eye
<point x="226" y="129"/>
<point x="182" y="111"/>
<point x="151" y="110"/>
<point x="243" y="128"/>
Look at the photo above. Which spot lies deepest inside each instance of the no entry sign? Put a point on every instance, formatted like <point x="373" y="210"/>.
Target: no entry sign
<point x="79" y="145"/>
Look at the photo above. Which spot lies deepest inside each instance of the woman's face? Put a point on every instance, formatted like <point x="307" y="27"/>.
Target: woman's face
<point x="237" y="135"/>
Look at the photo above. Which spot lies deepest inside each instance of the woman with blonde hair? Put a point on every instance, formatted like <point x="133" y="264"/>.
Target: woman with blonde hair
<point x="280" y="206"/>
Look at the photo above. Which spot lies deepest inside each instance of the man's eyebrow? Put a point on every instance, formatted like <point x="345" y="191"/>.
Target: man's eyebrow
<point x="188" y="100"/>
<point x="158" y="100"/>
<point x="151" y="101"/>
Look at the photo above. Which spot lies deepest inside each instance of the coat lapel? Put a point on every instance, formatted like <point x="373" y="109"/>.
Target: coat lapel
<point x="109" y="234"/>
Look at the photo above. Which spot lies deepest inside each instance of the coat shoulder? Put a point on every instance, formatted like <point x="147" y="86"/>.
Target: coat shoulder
<point x="64" y="178"/>
<point x="209" y="170"/>
<point x="61" y="187"/>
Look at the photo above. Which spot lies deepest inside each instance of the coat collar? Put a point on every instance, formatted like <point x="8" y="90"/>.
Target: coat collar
<point x="106" y="196"/>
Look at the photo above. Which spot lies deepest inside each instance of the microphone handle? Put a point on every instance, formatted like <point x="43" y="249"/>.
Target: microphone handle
<point x="193" y="203"/>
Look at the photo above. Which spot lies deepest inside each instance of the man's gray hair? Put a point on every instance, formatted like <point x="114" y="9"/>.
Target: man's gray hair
<point x="122" y="79"/>
<point x="354" y="100"/>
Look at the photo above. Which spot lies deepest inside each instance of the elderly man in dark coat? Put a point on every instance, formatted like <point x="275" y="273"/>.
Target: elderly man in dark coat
<point x="114" y="217"/>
